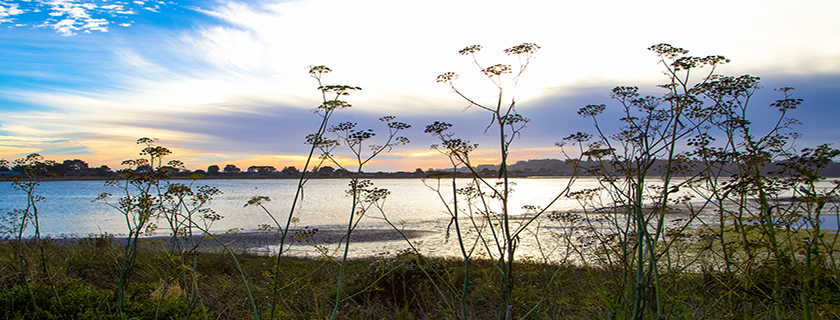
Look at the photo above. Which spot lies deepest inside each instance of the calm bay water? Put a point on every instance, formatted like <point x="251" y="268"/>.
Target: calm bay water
<point x="68" y="209"/>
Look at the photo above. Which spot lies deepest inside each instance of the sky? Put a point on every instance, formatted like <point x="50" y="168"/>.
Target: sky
<point x="226" y="82"/>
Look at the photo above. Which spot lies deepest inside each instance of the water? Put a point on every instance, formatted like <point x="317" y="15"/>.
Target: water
<point x="68" y="209"/>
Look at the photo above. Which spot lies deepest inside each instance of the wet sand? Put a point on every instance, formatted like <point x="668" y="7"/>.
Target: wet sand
<point x="258" y="241"/>
<point x="255" y="239"/>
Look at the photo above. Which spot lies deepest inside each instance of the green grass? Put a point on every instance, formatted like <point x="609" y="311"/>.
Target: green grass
<point x="85" y="274"/>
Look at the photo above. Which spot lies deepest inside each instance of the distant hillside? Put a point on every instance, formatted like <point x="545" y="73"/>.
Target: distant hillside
<point x="555" y="167"/>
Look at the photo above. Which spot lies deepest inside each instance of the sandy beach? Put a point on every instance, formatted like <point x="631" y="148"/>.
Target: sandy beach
<point x="260" y="241"/>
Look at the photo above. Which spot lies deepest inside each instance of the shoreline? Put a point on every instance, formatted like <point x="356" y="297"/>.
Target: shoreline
<point x="247" y="241"/>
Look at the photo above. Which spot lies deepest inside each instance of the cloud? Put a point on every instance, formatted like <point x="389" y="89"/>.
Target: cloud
<point x="7" y="140"/>
<point x="68" y="17"/>
<point x="7" y="11"/>
<point x="133" y="60"/>
<point x="235" y="51"/>
<point x="231" y="76"/>
<point x="380" y="47"/>
<point x="77" y="17"/>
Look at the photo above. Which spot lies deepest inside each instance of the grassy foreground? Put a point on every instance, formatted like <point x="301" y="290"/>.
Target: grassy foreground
<point x="83" y="278"/>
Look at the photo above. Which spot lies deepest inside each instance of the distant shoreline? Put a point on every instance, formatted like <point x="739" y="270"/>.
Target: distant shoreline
<point x="272" y="178"/>
<point x="364" y="176"/>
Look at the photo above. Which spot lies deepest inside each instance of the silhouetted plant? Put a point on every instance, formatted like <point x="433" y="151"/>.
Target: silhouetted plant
<point x="651" y="129"/>
<point x="331" y="96"/>
<point x="184" y="210"/>
<point x="140" y="203"/>
<point x="646" y="175"/>
<point x="31" y="167"/>
<point x="487" y="201"/>
<point x="771" y="198"/>
<point x="361" y="191"/>
<point x="146" y="197"/>
<point x="363" y="194"/>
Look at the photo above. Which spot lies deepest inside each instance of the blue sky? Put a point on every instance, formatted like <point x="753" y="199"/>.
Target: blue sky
<point x="223" y="82"/>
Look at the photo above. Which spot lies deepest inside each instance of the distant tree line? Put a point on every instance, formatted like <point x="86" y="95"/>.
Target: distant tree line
<point x="526" y="168"/>
<point x="80" y="169"/>
<point x="67" y="168"/>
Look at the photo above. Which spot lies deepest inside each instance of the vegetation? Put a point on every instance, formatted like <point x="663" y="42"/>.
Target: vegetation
<point x="393" y="287"/>
<point x="758" y="183"/>
<point x="697" y="215"/>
